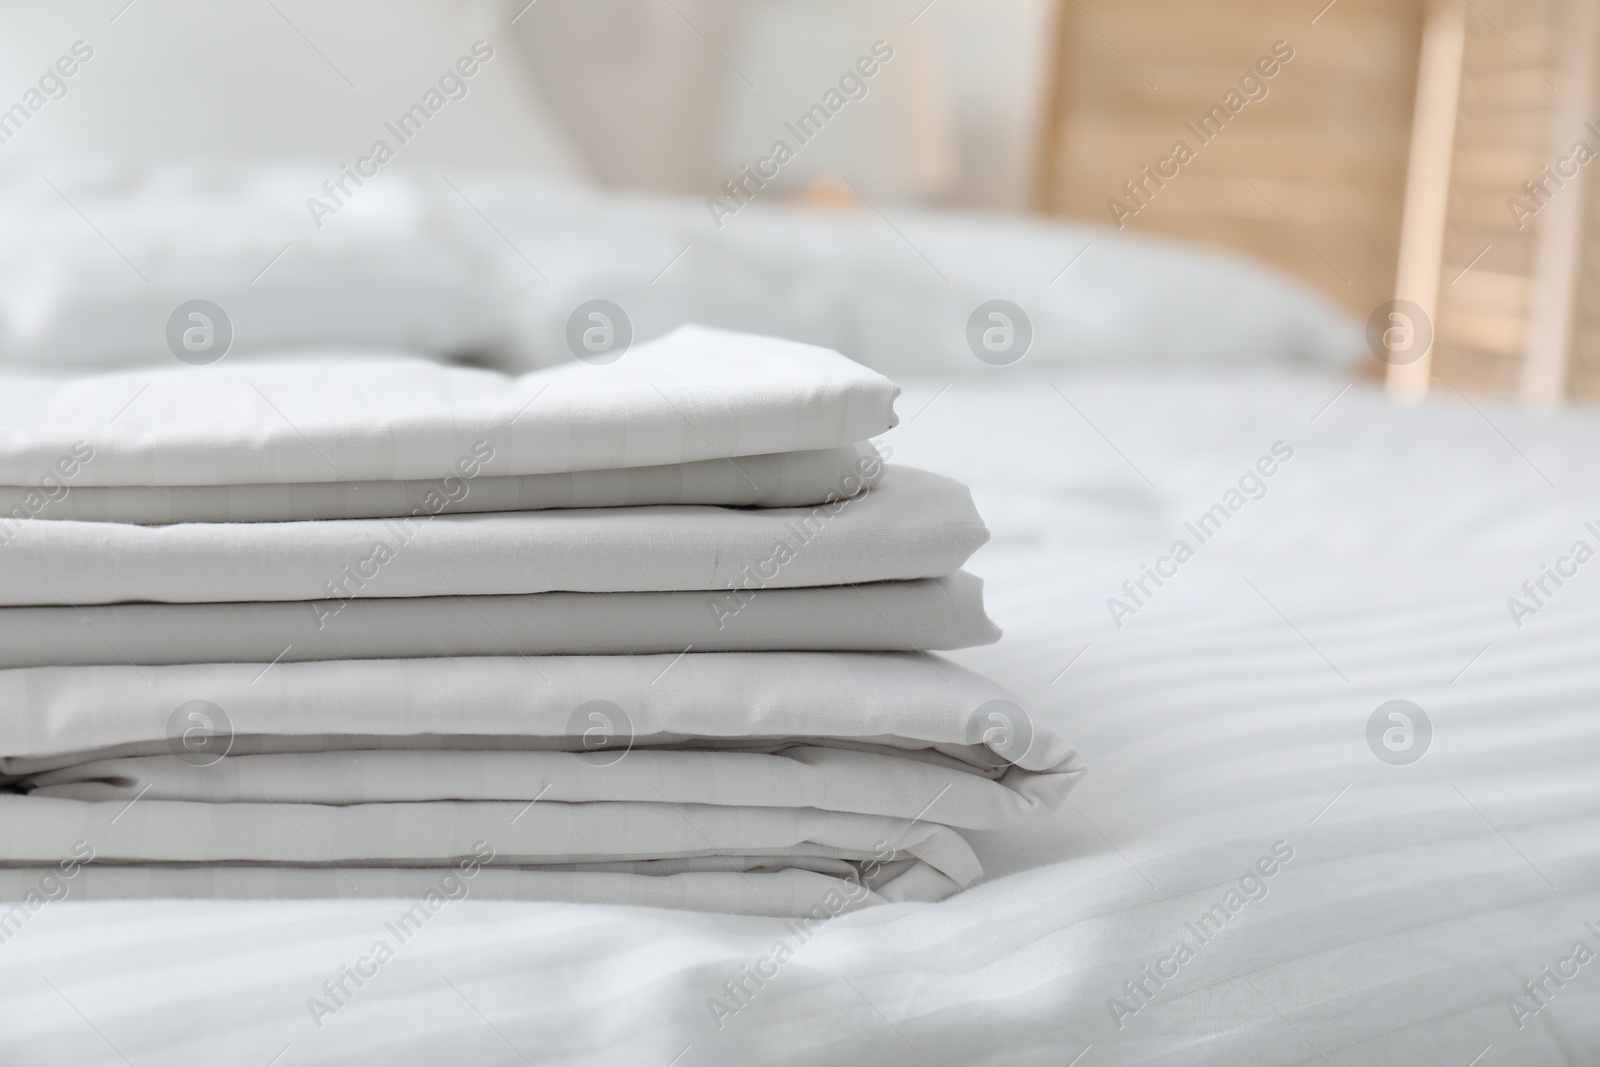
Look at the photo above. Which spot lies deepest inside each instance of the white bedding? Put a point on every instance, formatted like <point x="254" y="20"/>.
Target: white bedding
<point x="912" y="525"/>
<point x="732" y="847"/>
<point x="694" y="394"/>
<point x="1226" y="718"/>
<point x="731" y="768"/>
<point x="779" y="480"/>
<point x="920" y="615"/>
<point x="765" y="773"/>
<point x="907" y="705"/>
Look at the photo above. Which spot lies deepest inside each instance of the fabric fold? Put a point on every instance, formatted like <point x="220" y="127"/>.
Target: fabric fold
<point x="601" y="837"/>
<point x="912" y="525"/>
<point x="781" y="480"/>
<point x="694" y="394"/>
<point x="791" y="776"/>
<point x="792" y="893"/>
<point x="922" y="615"/>
<point x="902" y="703"/>
<point x="651" y="629"/>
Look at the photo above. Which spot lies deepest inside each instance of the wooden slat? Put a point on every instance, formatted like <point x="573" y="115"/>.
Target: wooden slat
<point x="1333" y="146"/>
<point x="1503" y="136"/>
<point x="1552" y="326"/>
<point x="1326" y="146"/>
<point x="1422" y="235"/>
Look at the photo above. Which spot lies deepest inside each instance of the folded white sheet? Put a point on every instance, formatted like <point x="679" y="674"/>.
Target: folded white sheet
<point x="782" y="480"/>
<point x="791" y="893"/>
<point x="794" y="774"/>
<point x="847" y="766"/>
<point x="913" y="525"/>
<point x="899" y="735"/>
<point x="925" y="614"/>
<point x="895" y="858"/>
<point x="758" y="701"/>
<point x="695" y="394"/>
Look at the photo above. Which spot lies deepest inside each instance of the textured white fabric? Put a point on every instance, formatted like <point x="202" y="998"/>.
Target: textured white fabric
<point x="925" y="614"/>
<point x="783" y="480"/>
<point x="1419" y="900"/>
<point x="849" y="766"/>
<point x="694" y="394"/>
<point x="904" y="702"/>
<point x="795" y="774"/>
<point x="913" y="525"/>
<point x="791" y="891"/>
<point x="799" y="727"/>
<point x="606" y="837"/>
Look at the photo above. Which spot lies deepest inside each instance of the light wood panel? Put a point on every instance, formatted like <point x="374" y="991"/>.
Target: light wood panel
<point x="1310" y="178"/>
<point x="1314" y="178"/>
<point x="1486" y="302"/>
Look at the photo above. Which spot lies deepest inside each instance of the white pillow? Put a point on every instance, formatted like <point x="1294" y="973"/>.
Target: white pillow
<point x="898" y="296"/>
<point x="172" y="79"/>
<point x="96" y="263"/>
<point x="142" y="166"/>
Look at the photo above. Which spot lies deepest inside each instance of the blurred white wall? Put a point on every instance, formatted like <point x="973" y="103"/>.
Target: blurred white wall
<point x="646" y="92"/>
<point x="644" y="86"/>
<point x="162" y="80"/>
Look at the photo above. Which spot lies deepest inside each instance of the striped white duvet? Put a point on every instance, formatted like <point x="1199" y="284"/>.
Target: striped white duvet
<point x="1240" y="878"/>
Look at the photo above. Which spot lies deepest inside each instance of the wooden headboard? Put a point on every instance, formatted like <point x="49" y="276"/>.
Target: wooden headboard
<point x="1332" y="160"/>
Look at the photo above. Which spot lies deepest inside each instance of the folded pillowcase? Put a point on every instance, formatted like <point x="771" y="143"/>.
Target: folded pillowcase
<point x="694" y="394"/>
<point x="913" y="525"/>
<point x="925" y="614"/>
<point x="784" y="480"/>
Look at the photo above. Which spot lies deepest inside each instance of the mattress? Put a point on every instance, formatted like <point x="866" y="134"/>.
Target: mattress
<point x="1263" y="864"/>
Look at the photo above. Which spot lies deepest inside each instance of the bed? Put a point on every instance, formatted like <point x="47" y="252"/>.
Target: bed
<point x="1437" y="909"/>
<point x="1340" y="805"/>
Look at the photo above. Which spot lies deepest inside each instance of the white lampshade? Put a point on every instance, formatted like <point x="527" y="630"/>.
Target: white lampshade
<point x="890" y="134"/>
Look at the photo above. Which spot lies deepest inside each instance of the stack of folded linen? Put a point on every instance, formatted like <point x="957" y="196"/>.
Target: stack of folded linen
<point x="655" y="632"/>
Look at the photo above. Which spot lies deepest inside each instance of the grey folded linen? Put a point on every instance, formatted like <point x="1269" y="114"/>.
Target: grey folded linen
<point x="421" y="893"/>
<point x="781" y="480"/>
<point x="913" y="524"/>
<point x="923" y="615"/>
<point x="894" y="858"/>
